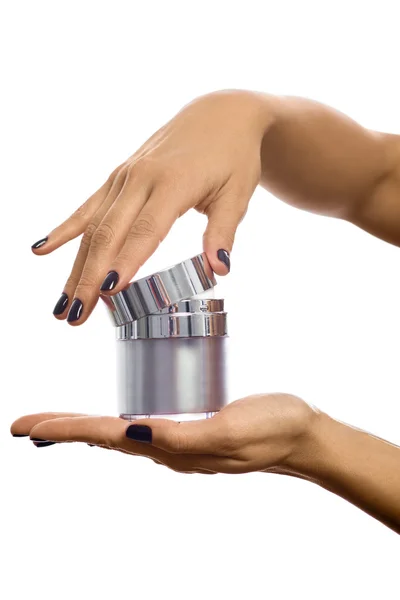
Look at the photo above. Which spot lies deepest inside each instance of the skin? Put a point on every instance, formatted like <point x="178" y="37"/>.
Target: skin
<point x="211" y="156"/>
<point x="275" y="433"/>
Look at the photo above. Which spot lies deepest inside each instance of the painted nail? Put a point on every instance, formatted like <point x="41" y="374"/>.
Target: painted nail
<point x="91" y="445"/>
<point x="43" y="444"/>
<point x="39" y="244"/>
<point x="223" y="256"/>
<point x="61" y="304"/>
<point x="139" y="433"/>
<point x="39" y="443"/>
<point x="110" y="281"/>
<point x="19" y="434"/>
<point x="75" y="311"/>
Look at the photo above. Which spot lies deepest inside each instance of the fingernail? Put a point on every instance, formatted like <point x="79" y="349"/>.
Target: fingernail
<point x="139" y="433"/>
<point x="75" y="311"/>
<point x="19" y="434"/>
<point x="91" y="445"/>
<point x="39" y="443"/>
<point x="61" y="304"/>
<point x="40" y="243"/>
<point x="110" y="281"/>
<point x="223" y="256"/>
<point x="43" y="444"/>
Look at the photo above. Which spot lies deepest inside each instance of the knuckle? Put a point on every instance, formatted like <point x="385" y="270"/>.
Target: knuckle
<point x="88" y="235"/>
<point x="144" y="167"/>
<point x="115" y="173"/>
<point x="103" y="237"/>
<point x="178" y="442"/>
<point x="144" y="227"/>
<point x="91" y="229"/>
<point x="132" y="169"/>
<point x="135" y="169"/>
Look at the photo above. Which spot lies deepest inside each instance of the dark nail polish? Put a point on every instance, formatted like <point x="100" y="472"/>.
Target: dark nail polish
<point x="40" y="243"/>
<point x="75" y="311"/>
<point x="39" y="443"/>
<point x="110" y="281"/>
<point x="19" y="434"/>
<point x="91" y="445"/>
<point x="61" y="304"/>
<point x="43" y="444"/>
<point x="139" y="433"/>
<point x="223" y="256"/>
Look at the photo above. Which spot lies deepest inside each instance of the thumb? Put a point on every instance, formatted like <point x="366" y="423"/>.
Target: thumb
<point x="224" y="217"/>
<point x="188" y="437"/>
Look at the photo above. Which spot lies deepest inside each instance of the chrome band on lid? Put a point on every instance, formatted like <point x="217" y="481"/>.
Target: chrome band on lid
<point x="187" y="325"/>
<point x="194" y="305"/>
<point x="161" y="290"/>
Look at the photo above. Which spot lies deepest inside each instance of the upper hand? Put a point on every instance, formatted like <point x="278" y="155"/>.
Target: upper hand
<point x="258" y="433"/>
<point x="207" y="157"/>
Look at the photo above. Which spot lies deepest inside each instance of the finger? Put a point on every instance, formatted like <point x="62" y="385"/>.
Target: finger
<point x="114" y="432"/>
<point x="205" y="436"/>
<point x="104" y="246"/>
<point x="224" y="216"/>
<point x="64" y="303"/>
<point x="22" y="426"/>
<point x="106" y="432"/>
<point x="145" y="235"/>
<point x="111" y="432"/>
<point x="76" y="224"/>
<point x="101" y="431"/>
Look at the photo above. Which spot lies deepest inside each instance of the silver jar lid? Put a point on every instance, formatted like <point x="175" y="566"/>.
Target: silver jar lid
<point x="185" y="319"/>
<point x="158" y="292"/>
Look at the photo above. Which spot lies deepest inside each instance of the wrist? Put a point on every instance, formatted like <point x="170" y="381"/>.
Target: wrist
<point x="255" y="108"/>
<point x="313" y="456"/>
<point x="262" y="109"/>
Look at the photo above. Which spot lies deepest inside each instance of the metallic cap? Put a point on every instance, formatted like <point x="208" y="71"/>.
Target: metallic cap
<point x="161" y="290"/>
<point x="186" y="319"/>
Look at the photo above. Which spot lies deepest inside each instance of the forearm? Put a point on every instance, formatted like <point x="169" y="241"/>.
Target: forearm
<point x="359" y="467"/>
<point x="317" y="159"/>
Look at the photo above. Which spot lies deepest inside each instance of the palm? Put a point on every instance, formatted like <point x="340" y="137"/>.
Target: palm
<point x="251" y="434"/>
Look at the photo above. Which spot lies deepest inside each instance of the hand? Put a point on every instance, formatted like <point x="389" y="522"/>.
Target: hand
<point x="274" y="433"/>
<point x="207" y="157"/>
<point x="258" y="433"/>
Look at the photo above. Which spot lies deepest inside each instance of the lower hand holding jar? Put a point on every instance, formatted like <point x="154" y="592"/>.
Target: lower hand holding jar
<point x="273" y="433"/>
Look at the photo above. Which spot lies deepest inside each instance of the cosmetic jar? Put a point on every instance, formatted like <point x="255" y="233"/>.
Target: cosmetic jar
<point x="172" y="339"/>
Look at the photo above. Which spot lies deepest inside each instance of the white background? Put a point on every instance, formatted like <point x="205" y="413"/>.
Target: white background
<point x="83" y="85"/>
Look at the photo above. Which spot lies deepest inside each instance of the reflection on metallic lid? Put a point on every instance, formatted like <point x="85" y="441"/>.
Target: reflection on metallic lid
<point x="156" y="292"/>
